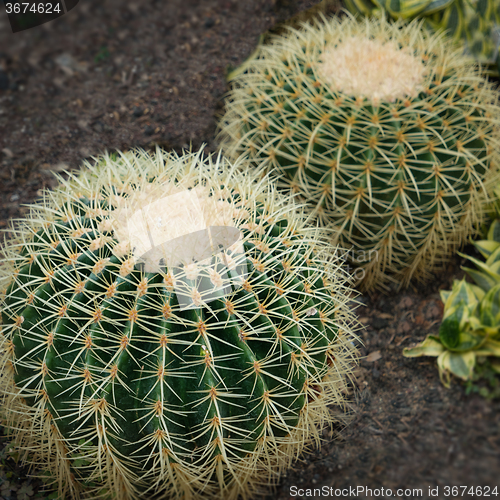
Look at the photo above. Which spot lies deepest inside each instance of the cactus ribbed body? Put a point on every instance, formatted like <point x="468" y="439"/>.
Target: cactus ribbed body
<point x="387" y="132"/>
<point x="115" y="385"/>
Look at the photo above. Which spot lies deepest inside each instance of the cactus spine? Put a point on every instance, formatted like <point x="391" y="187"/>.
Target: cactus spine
<point x="387" y="131"/>
<point x="127" y="378"/>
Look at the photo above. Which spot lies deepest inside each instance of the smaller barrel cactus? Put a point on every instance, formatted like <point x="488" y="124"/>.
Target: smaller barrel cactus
<point x="388" y="132"/>
<point x="170" y="328"/>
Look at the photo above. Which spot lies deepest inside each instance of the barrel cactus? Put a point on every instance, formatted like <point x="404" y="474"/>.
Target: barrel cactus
<point x="387" y="132"/>
<point x="171" y="328"/>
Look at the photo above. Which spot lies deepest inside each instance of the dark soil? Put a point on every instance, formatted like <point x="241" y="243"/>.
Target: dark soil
<point x="119" y="74"/>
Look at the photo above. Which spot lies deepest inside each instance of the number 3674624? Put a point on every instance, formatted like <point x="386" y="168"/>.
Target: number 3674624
<point x="35" y="8"/>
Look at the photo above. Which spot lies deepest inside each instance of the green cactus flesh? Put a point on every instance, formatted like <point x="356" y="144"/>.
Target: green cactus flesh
<point x="117" y="390"/>
<point x="387" y="132"/>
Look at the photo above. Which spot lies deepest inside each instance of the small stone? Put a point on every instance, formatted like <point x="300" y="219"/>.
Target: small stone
<point x="373" y="356"/>
<point x="405" y="303"/>
<point x="149" y="130"/>
<point x="138" y="111"/>
<point x="209" y="22"/>
<point x="404" y="327"/>
<point x="434" y="311"/>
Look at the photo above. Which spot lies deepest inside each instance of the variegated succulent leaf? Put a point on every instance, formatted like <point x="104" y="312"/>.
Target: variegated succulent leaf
<point x="460" y="330"/>
<point x="461" y="291"/>
<point x="486" y="247"/>
<point x="431" y="346"/>
<point x="491" y="347"/>
<point x="486" y="276"/>
<point x="459" y="364"/>
<point x="494" y="231"/>
<point x="401" y="9"/>
<point x="435" y="6"/>
<point x="489" y="311"/>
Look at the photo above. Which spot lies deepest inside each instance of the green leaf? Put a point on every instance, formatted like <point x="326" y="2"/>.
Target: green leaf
<point x="461" y="292"/>
<point x="494" y="231"/>
<point x="405" y="9"/>
<point x="364" y="7"/>
<point x="494" y="265"/>
<point x="445" y="294"/>
<point x="449" y="331"/>
<point x="468" y="340"/>
<point x="429" y="347"/>
<point x="435" y="6"/>
<point x="486" y="247"/>
<point x="489" y="308"/>
<point x="489" y="348"/>
<point x="459" y="364"/>
<point x="453" y="20"/>
<point x="484" y="280"/>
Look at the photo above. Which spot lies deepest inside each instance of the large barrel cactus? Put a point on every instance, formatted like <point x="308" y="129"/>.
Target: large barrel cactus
<point x="387" y="132"/>
<point x="171" y="328"/>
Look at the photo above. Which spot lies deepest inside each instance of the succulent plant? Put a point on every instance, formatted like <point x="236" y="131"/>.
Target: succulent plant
<point x="387" y="132"/>
<point x="473" y="24"/>
<point x="171" y="328"/>
<point x="470" y="329"/>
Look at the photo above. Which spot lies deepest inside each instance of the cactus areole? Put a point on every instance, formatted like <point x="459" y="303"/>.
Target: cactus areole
<point x="170" y="329"/>
<point x="387" y="132"/>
